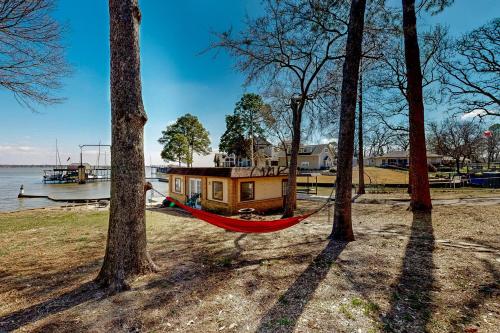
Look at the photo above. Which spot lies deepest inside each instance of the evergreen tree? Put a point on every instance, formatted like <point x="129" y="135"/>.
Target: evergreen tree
<point x="233" y="140"/>
<point x="184" y="138"/>
<point x="249" y="111"/>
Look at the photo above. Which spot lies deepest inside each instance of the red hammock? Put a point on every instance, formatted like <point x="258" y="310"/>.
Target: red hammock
<point x="243" y="225"/>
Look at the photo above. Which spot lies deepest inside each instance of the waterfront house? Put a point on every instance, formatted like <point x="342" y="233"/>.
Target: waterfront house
<point x="226" y="190"/>
<point x="263" y="156"/>
<point x="311" y="157"/>
<point x="400" y="159"/>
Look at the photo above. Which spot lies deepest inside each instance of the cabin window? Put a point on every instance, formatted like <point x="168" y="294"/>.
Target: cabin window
<point x="177" y="187"/>
<point x="217" y="191"/>
<point x="247" y="191"/>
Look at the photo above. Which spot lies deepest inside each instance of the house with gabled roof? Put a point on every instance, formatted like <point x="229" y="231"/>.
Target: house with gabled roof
<point x="311" y="157"/>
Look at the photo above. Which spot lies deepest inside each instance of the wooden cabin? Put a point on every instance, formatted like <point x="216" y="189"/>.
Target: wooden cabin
<point x="227" y="190"/>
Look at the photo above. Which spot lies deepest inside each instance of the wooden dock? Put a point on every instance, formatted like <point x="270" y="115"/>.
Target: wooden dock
<point x="64" y="199"/>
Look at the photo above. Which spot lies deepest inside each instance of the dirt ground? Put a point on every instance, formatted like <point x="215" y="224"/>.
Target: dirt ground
<point x="404" y="273"/>
<point x="395" y="193"/>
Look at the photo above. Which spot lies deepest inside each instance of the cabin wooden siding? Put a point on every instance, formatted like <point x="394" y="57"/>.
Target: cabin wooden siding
<point x="267" y="193"/>
<point x="179" y="196"/>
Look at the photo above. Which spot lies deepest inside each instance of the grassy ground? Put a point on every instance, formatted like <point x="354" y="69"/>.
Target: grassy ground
<point x="372" y="176"/>
<point x="404" y="273"/>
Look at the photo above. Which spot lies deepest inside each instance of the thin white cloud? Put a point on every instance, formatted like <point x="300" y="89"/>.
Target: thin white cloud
<point x="25" y="148"/>
<point x="16" y="148"/>
<point x="326" y="140"/>
<point x="473" y="114"/>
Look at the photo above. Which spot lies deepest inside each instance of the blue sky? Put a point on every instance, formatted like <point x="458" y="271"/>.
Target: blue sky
<point x="176" y="79"/>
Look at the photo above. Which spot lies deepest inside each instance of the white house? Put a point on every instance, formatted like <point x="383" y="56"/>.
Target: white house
<point x="399" y="158"/>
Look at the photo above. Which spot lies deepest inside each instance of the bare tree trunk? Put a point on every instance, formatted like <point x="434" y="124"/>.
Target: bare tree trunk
<point x="126" y="253"/>
<point x="420" y="193"/>
<point x="411" y="174"/>
<point x="283" y="143"/>
<point x="252" y="163"/>
<point x="291" y="192"/>
<point x="342" y="223"/>
<point x="361" y="167"/>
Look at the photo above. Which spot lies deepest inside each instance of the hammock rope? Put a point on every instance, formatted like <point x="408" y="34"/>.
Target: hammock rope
<point x="246" y="226"/>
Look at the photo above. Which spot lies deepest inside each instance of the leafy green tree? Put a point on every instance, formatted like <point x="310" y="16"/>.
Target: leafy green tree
<point x="233" y="140"/>
<point x="175" y="148"/>
<point x="184" y="138"/>
<point x="249" y="109"/>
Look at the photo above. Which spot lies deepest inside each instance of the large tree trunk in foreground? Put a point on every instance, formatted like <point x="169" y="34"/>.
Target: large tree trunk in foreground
<point x="291" y="192"/>
<point x="126" y="253"/>
<point x="419" y="178"/>
<point x="361" y="167"/>
<point x="342" y="224"/>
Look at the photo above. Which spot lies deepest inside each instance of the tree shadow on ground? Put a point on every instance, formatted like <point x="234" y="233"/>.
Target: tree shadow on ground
<point x="86" y="292"/>
<point x="486" y="291"/>
<point x="90" y="291"/>
<point x="40" y="282"/>
<point x="411" y="303"/>
<point x="283" y="316"/>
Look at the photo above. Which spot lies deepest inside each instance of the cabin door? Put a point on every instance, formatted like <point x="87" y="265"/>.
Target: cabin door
<point x="195" y="188"/>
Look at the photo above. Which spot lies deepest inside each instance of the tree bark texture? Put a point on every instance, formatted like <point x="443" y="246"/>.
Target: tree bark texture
<point x="342" y="223"/>
<point x="126" y="253"/>
<point x="419" y="178"/>
<point x="361" y="167"/>
<point x="291" y="192"/>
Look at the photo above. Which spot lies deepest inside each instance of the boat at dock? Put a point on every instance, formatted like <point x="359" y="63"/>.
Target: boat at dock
<point x="76" y="173"/>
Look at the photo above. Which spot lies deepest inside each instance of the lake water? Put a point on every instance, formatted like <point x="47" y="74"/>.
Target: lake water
<point x="31" y="177"/>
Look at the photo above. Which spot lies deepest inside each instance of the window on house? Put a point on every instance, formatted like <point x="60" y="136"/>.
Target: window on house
<point x="217" y="191"/>
<point x="304" y="165"/>
<point x="177" y="187"/>
<point x="326" y="150"/>
<point x="247" y="191"/>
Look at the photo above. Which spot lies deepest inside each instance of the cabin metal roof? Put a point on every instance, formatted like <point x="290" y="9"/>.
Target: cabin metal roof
<point x="236" y="172"/>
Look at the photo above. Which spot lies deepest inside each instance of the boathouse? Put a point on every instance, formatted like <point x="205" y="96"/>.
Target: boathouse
<point x="227" y="190"/>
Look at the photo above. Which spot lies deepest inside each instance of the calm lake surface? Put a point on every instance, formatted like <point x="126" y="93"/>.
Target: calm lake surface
<point x="31" y="177"/>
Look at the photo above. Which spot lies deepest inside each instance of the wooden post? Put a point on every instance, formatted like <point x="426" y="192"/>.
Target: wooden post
<point x="81" y="174"/>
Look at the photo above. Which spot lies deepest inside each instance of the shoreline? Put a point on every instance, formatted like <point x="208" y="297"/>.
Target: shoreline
<point x="55" y="208"/>
<point x="83" y="205"/>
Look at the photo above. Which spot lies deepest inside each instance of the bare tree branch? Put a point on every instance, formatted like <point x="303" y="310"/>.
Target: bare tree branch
<point x="31" y="55"/>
